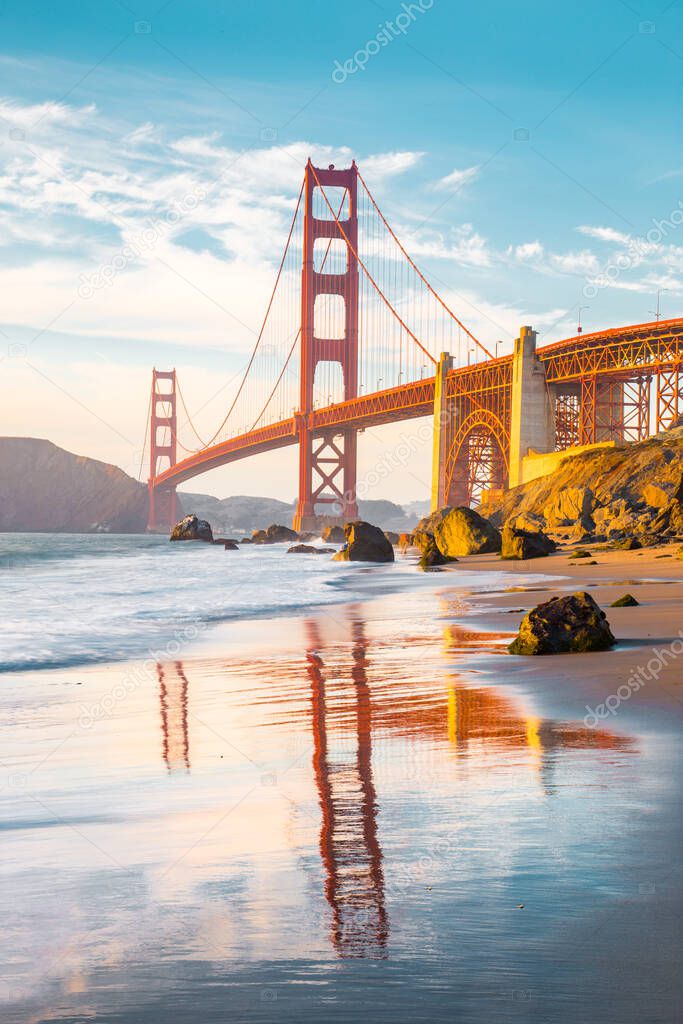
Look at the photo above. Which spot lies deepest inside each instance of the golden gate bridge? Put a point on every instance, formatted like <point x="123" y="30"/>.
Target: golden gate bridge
<point x="355" y="336"/>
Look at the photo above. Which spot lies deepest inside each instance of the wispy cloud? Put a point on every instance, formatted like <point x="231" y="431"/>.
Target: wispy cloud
<point x="456" y="180"/>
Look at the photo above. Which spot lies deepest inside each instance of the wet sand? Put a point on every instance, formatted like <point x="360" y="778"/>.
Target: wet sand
<point x="368" y="811"/>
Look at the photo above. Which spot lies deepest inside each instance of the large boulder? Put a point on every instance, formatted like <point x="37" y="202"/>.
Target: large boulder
<point x="191" y="527"/>
<point x="274" y="535"/>
<point x="524" y="544"/>
<point x="422" y="540"/>
<point x="431" y="556"/>
<point x="364" y="543"/>
<point x="564" y="625"/>
<point x="462" y="531"/>
<point x="333" y="534"/>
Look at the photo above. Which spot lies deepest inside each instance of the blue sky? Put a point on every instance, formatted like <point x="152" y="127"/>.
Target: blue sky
<point x="519" y="150"/>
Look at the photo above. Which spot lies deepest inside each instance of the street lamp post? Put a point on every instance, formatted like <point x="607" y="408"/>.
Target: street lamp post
<point x="656" y="313"/>
<point x="579" y="329"/>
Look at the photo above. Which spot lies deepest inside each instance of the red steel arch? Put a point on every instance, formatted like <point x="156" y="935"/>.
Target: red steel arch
<point x="478" y="457"/>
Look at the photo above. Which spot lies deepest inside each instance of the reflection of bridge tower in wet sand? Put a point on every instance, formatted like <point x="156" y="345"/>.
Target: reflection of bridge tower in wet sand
<point x="349" y="846"/>
<point x="175" y="741"/>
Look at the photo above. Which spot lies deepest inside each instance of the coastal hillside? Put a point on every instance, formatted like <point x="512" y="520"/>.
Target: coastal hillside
<point x="607" y="490"/>
<point x="45" y="488"/>
<point x="242" y="513"/>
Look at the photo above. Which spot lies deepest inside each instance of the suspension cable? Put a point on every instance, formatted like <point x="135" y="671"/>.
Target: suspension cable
<point x="291" y="351"/>
<point x="144" y="443"/>
<point x="263" y="325"/>
<point x="368" y="274"/>
<point x="277" y="382"/>
<point x="187" y="418"/>
<point x="420" y="274"/>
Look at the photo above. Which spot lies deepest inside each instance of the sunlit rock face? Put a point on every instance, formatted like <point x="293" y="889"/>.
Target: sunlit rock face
<point x="629" y="491"/>
<point x="457" y="532"/>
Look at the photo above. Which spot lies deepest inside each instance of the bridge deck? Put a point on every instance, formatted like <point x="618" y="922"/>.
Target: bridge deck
<point x="641" y="348"/>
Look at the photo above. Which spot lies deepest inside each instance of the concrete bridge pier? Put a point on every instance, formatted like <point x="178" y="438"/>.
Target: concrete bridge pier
<point x="532" y="419"/>
<point x="441" y="434"/>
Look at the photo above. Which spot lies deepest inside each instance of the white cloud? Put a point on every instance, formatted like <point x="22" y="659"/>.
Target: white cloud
<point x="604" y="234"/>
<point x="584" y="262"/>
<point x="388" y="165"/>
<point x="454" y="181"/>
<point x="529" y="251"/>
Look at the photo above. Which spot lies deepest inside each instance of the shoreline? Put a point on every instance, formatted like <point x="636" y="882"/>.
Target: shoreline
<point x="199" y="802"/>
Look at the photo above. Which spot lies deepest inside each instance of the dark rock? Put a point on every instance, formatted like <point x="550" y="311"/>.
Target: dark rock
<point x="582" y="553"/>
<point x="192" y="528"/>
<point x="309" y="549"/>
<point x="564" y="625"/>
<point x="423" y="540"/>
<point x="523" y="544"/>
<point x="333" y="534"/>
<point x="246" y="540"/>
<point x="392" y="537"/>
<point x="364" y="543"/>
<point x="231" y="545"/>
<point x="274" y="535"/>
<point x="627" y="544"/>
<point x="432" y="557"/>
<point x="627" y="601"/>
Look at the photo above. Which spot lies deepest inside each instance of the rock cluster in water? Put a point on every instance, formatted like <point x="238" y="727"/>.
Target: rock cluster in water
<point x="191" y="527"/>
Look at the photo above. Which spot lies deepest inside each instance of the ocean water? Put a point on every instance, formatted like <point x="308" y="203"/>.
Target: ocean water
<point x="83" y="599"/>
<point x="96" y="598"/>
<point x="329" y="795"/>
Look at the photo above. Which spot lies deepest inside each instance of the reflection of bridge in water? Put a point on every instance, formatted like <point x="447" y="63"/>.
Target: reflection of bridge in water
<point x="349" y="846"/>
<point x="175" y="741"/>
<point x="353" y="697"/>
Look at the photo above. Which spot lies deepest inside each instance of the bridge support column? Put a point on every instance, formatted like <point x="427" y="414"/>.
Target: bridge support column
<point x="162" y="450"/>
<point x="532" y="423"/>
<point x="327" y="462"/>
<point x="441" y="433"/>
<point x="327" y="479"/>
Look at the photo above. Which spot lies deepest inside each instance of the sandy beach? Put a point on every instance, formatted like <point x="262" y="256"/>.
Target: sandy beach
<point x="356" y="810"/>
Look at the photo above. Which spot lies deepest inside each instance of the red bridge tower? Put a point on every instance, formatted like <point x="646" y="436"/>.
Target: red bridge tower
<point x="327" y="462"/>
<point x="162" y="500"/>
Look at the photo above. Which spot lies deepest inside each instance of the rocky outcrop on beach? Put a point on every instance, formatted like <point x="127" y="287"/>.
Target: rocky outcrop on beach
<point x="191" y="527"/>
<point x="309" y="549"/>
<point x="564" y="625"/>
<point x="457" y="532"/>
<point x="614" y="493"/>
<point x="364" y="543"/>
<point x="274" y="534"/>
<point x="431" y="557"/>
<point x="333" y="534"/>
<point x="523" y="544"/>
